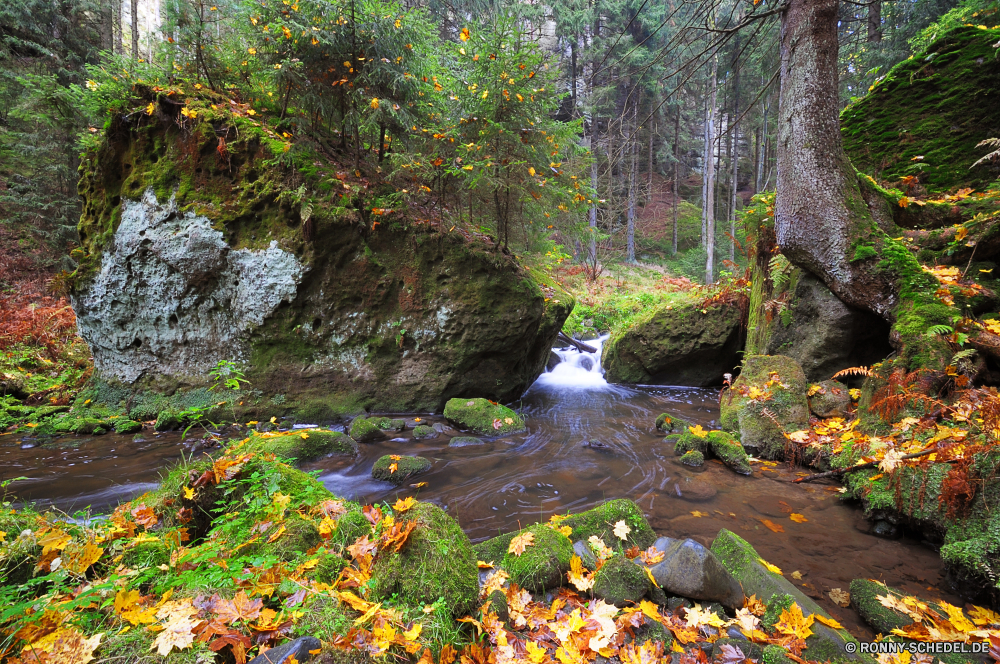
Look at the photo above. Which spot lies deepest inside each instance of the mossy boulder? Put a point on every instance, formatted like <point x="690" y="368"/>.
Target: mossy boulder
<point x="167" y="421"/>
<point x="620" y="582"/>
<point x="465" y="441"/>
<point x="191" y="258"/>
<point x="823" y="334"/>
<point x="424" y="432"/>
<point x="693" y="458"/>
<point x="13" y="384"/>
<point x="483" y="417"/>
<point x="390" y="424"/>
<point x="350" y="527"/>
<point x="304" y="444"/>
<point x="399" y="469"/>
<point x="601" y="520"/>
<point x="77" y="425"/>
<point x="366" y="430"/>
<point x="689" y="442"/>
<point x="926" y="116"/>
<point x="125" y="426"/>
<point x="864" y="598"/>
<point x="774" y="383"/>
<point x="736" y="555"/>
<point x="729" y="451"/>
<point x="437" y="561"/>
<point x="145" y="553"/>
<point x="829" y="398"/>
<point x="677" y="343"/>
<point x="540" y="566"/>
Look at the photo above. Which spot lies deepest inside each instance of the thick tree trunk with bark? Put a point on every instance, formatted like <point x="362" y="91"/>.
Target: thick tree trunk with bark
<point x="821" y="218"/>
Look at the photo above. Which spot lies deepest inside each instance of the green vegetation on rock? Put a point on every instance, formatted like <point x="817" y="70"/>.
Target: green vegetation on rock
<point x="483" y="417"/>
<point x="397" y="469"/>
<point x="601" y="520"/>
<point x="541" y="565"/>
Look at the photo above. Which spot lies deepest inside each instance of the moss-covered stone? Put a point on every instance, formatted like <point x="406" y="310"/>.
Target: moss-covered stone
<point x="436" y="562"/>
<point x="688" y="442"/>
<point x="926" y="116"/>
<point x="299" y="535"/>
<point x="483" y="417"/>
<point x="329" y="567"/>
<point x="654" y="631"/>
<point x="829" y="398"/>
<point x="123" y="426"/>
<point x="768" y="382"/>
<point x="496" y="604"/>
<point x="775" y="655"/>
<point x="693" y="458"/>
<point x="620" y="582"/>
<point x="304" y="444"/>
<point x="541" y="566"/>
<point x="366" y="430"/>
<point x="398" y="470"/>
<point x="826" y="644"/>
<point x="350" y="527"/>
<point x="390" y="424"/>
<point x="601" y="521"/>
<point x="424" y="432"/>
<point x="465" y="441"/>
<point x="729" y="451"/>
<point x="167" y="421"/>
<point x="864" y="598"/>
<point x="679" y="343"/>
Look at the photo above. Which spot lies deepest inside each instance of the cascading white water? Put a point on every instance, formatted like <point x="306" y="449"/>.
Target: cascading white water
<point x="577" y="369"/>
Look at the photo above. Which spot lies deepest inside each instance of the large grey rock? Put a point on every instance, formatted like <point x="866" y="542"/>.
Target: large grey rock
<point x="824" y="335"/>
<point x="172" y="297"/>
<point x="832" y="399"/>
<point x="826" y="644"/>
<point x="690" y="570"/>
<point x="300" y="649"/>
<point x="676" y="344"/>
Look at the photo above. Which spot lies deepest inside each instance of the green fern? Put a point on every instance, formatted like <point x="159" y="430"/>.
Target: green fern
<point x="780" y="271"/>
<point x="963" y="355"/>
<point x="935" y="330"/>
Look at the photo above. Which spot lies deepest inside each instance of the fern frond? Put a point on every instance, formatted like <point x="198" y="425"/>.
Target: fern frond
<point x="935" y="330"/>
<point x="993" y="156"/>
<point x="853" y="371"/>
<point x="962" y="355"/>
<point x="779" y="268"/>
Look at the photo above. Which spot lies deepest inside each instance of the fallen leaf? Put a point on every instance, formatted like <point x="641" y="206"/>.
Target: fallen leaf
<point x="797" y="575"/>
<point x="774" y="527"/>
<point x="829" y="622"/>
<point x="699" y="514"/>
<point x="404" y="505"/>
<point x="770" y="567"/>
<point x="520" y="543"/>
<point x="797" y="518"/>
<point x="840" y="597"/>
<point x="622" y="530"/>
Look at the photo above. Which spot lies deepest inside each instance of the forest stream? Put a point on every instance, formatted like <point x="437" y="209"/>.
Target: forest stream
<point x="587" y="441"/>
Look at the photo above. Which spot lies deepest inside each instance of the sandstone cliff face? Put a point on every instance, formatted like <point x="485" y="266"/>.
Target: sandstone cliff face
<point x="194" y="255"/>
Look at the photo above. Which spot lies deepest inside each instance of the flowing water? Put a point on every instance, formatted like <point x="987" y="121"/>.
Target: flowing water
<point x="587" y="441"/>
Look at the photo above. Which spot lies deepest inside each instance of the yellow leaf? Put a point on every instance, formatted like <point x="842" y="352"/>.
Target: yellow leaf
<point x="520" y="543"/>
<point x="464" y="35"/>
<point x="651" y="578"/>
<point x="281" y="500"/>
<point x="770" y="567"/>
<point x="403" y="505"/>
<point x="189" y="493"/>
<point x="622" y="530"/>
<point x="797" y="518"/>
<point x="772" y="526"/>
<point x="374" y="102"/>
<point x="276" y="534"/>
<point x="150" y="109"/>
<point x="531" y="170"/>
<point x="829" y="622"/>
<point x="304" y="435"/>
<point x="484" y="565"/>
<point x="699" y="514"/>
<point x="698" y="431"/>
<point x="536" y="653"/>
<point x="565" y="530"/>
<point x="412" y="633"/>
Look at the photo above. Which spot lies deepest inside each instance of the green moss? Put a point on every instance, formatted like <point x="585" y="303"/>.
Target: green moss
<point x="436" y="562"/>
<point x="422" y="432"/>
<point x="728" y="450"/>
<point x="864" y="598"/>
<point x="146" y="553"/>
<point x="127" y="426"/>
<point x="688" y="442"/>
<point x="775" y="606"/>
<point x="542" y="565"/>
<point x="483" y="417"/>
<point x="405" y="468"/>
<point x="323" y="617"/>
<point x="350" y="527"/>
<point x="365" y="430"/>
<point x="167" y="421"/>
<point x="601" y="520"/>
<point x="775" y="655"/>
<point x="329" y="567"/>
<point x="863" y="252"/>
<point x="620" y="582"/>
<point x="937" y="105"/>
<point x="693" y="458"/>
<point x="304" y="444"/>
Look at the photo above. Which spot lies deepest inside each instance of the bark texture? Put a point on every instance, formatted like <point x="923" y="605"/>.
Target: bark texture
<point x="821" y="218"/>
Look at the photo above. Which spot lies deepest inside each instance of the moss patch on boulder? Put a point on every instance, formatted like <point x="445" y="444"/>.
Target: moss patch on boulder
<point x="436" y="562"/>
<point x="620" y="582"/>
<point x="304" y="444"/>
<point x="542" y="565"/>
<point x="677" y="343"/>
<point x="483" y="417"/>
<point x="424" y="432"/>
<point x="772" y="382"/>
<point x="693" y="458"/>
<point x="127" y="426"/>
<point x="729" y="451"/>
<point x="398" y="470"/>
<point x="601" y="521"/>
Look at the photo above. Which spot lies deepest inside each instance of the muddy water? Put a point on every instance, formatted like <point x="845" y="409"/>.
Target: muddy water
<point x="586" y="442"/>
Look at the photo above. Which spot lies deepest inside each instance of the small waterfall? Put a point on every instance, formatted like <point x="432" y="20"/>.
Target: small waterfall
<point x="577" y="369"/>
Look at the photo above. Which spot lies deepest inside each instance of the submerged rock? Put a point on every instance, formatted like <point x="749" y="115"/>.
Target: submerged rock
<point x="693" y="458"/>
<point x="483" y="417"/>
<point x="620" y="582"/>
<point x="436" y="562"/>
<point x="690" y="570"/>
<point x="397" y="469"/>
<point x="771" y="383"/>
<point x="675" y="344"/>
<point x="465" y="441"/>
<point x="191" y="259"/>
<point x="422" y="432"/>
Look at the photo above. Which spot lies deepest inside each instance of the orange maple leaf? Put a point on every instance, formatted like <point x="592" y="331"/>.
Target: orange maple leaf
<point x="520" y="543"/>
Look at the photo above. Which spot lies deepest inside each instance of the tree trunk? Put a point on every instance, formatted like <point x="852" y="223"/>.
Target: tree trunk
<point x="734" y="154"/>
<point x="760" y="186"/>
<point x="709" y="213"/>
<point x="820" y="214"/>
<point x="649" y="165"/>
<point x="633" y="167"/>
<point x="677" y="153"/>
<point x="875" y="20"/>
<point x="135" y="30"/>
